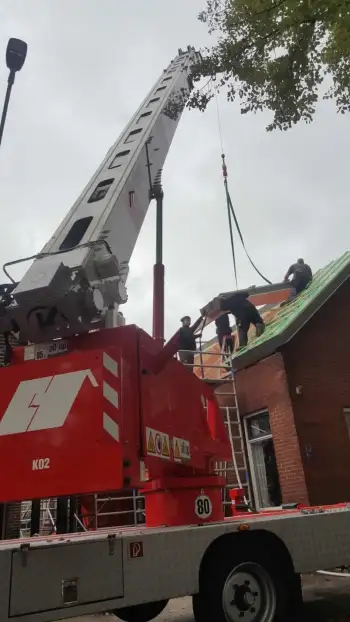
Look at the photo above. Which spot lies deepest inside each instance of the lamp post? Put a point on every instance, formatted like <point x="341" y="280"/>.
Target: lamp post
<point x="16" y="53"/>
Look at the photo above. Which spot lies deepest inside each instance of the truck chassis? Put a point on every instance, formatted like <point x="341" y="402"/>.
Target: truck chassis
<point x="245" y="568"/>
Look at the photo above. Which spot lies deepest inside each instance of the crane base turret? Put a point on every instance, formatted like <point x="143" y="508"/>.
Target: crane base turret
<point x="173" y="502"/>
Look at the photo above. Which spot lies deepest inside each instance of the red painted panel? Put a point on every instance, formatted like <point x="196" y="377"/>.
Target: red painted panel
<point x="60" y="417"/>
<point x="78" y="422"/>
<point x="177" y="406"/>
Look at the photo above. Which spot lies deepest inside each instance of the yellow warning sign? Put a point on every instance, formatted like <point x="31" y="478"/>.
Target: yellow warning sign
<point x="158" y="444"/>
<point x="165" y="448"/>
<point x="182" y="449"/>
<point x="151" y="448"/>
<point x="176" y="451"/>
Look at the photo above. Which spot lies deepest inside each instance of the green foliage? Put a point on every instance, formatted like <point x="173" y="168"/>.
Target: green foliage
<point x="274" y="55"/>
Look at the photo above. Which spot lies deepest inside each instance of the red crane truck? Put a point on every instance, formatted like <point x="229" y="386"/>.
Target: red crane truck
<point x="92" y="405"/>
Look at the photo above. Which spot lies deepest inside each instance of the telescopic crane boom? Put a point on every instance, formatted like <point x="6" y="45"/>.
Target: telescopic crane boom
<point x="81" y="272"/>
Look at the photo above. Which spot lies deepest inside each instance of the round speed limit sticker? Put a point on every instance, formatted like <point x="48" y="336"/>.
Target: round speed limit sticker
<point x="203" y="507"/>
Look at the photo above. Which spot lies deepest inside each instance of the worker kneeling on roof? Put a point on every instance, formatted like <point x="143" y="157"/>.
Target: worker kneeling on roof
<point x="245" y="313"/>
<point x="187" y="340"/>
<point x="301" y="276"/>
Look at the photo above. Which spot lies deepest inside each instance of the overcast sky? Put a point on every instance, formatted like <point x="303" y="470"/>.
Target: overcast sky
<point x="90" y="64"/>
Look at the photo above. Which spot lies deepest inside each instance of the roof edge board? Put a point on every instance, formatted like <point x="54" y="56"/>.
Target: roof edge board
<point x="255" y="355"/>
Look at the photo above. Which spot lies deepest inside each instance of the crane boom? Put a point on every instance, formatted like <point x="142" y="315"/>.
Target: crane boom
<point x="82" y="270"/>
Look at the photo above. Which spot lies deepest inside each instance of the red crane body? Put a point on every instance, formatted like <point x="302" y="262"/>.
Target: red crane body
<point x="105" y="415"/>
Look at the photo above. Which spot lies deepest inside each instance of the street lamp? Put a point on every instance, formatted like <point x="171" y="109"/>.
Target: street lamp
<point x="16" y="53"/>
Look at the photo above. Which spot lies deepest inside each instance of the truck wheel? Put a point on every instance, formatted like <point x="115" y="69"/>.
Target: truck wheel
<point x="247" y="591"/>
<point x="141" y="613"/>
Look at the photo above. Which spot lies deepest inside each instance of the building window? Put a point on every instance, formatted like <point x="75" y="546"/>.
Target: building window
<point x="262" y="461"/>
<point x="258" y="425"/>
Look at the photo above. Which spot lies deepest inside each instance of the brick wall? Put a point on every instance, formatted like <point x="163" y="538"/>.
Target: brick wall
<point x="318" y="361"/>
<point x="264" y="386"/>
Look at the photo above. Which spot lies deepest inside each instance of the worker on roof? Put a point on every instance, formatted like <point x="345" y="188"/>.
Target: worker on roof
<point x="224" y="333"/>
<point x="187" y="340"/>
<point x="301" y="276"/>
<point x="245" y="314"/>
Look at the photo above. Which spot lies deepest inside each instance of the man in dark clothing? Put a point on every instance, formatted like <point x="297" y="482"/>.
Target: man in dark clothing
<point x="301" y="276"/>
<point x="224" y="333"/>
<point x="245" y="313"/>
<point x="187" y="340"/>
<point x="7" y="341"/>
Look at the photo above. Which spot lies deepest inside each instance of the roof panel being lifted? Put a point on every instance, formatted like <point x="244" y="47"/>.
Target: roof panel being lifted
<point x="259" y="296"/>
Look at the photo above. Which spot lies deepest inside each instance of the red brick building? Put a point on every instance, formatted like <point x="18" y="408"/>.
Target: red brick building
<point x="293" y="387"/>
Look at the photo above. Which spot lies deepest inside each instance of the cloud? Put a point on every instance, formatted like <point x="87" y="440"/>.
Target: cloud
<point x="89" y="66"/>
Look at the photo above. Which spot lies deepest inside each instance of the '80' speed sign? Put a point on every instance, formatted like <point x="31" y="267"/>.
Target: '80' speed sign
<point x="203" y="506"/>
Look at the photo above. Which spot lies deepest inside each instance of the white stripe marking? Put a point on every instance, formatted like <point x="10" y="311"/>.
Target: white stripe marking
<point x="110" y="394"/>
<point x="111" y="426"/>
<point x="110" y="364"/>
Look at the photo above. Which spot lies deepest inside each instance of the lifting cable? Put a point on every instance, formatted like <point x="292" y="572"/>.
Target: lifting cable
<point x="230" y="210"/>
<point x="224" y="172"/>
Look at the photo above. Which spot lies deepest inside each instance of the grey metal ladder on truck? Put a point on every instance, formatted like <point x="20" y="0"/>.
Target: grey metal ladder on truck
<point x="236" y="469"/>
<point x="233" y="425"/>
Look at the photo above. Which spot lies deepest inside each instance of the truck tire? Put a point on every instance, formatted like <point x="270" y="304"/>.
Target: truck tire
<point x="246" y="587"/>
<point x="141" y="613"/>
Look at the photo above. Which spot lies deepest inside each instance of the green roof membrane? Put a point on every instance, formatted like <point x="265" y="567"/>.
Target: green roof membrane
<point x="291" y="317"/>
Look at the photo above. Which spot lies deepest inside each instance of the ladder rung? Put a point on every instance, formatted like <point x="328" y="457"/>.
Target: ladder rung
<point x="230" y="394"/>
<point x="227" y="395"/>
<point x="232" y="418"/>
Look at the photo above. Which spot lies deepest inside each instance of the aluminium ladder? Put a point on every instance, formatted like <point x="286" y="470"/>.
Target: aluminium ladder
<point x="221" y="372"/>
<point x="232" y="419"/>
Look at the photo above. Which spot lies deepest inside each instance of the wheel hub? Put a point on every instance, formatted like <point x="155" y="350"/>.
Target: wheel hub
<point x="243" y="597"/>
<point x="249" y="599"/>
<point x="249" y="595"/>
